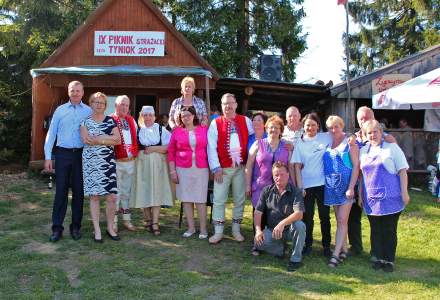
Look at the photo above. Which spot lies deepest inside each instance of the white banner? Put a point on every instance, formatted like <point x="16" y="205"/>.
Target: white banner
<point x="129" y="43"/>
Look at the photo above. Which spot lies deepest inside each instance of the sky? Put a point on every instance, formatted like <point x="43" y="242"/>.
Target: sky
<point x="323" y="59"/>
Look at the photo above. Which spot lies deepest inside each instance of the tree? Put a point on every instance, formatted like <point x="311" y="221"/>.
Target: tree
<point x="391" y="30"/>
<point x="231" y="35"/>
<point x="30" y="32"/>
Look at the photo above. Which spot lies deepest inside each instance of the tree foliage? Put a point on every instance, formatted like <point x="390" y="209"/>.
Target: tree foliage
<point x="391" y="30"/>
<point x="232" y="34"/>
<point x="30" y="32"/>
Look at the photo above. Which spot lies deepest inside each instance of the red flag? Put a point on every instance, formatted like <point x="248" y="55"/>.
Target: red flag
<point x="342" y="2"/>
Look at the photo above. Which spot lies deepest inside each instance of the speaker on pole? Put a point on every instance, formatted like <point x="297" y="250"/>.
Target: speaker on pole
<point x="270" y="67"/>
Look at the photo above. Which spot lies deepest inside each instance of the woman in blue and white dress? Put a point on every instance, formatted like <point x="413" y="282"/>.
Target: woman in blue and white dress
<point x="99" y="134"/>
<point x="341" y="170"/>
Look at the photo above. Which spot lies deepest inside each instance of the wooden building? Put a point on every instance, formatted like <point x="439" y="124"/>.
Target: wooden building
<point x="124" y="48"/>
<point x="363" y="88"/>
<point x="275" y="96"/>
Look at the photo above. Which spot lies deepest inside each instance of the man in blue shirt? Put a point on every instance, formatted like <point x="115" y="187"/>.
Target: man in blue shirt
<point x="64" y="128"/>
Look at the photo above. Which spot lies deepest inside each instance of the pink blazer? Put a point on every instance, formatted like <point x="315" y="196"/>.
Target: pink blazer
<point x="179" y="149"/>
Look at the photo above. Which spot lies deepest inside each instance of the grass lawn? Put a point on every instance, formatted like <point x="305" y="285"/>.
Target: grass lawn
<point x="170" y="267"/>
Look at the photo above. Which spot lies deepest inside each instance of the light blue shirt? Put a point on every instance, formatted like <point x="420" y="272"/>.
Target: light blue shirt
<point x="64" y="127"/>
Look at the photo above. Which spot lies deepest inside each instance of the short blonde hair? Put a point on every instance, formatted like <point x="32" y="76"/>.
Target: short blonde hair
<point x="98" y="95"/>
<point x="372" y="124"/>
<point x="277" y="121"/>
<point x="189" y="80"/>
<point x="333" y="119"/>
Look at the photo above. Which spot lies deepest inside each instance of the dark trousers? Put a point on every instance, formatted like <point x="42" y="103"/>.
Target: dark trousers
<point x="316" y="194"/>
<point x="355" y="228"/>
<point x="68" y="173"/>
<point x="384" y="236"/>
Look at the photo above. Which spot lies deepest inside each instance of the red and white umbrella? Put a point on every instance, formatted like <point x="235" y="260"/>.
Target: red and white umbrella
<point x="422" y="92"/>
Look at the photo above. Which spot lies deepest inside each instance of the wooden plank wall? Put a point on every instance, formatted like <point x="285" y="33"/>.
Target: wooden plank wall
<point x="45" y="100"/>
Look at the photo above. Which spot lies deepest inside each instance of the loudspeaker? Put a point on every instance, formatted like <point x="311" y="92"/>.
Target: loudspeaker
<point x="270" y="67"/>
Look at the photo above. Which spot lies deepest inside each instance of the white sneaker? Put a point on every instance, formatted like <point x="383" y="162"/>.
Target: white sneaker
<point x="203" y="236"/>
<point x="188" y="234"/>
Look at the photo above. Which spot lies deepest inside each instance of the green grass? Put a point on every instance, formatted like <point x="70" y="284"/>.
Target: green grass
<point x="170" y="267"/>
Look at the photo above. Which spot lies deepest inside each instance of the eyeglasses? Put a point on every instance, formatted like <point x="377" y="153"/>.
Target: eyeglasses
<point x="99" y="103"/>
<point x="228" y="103"/>
<point x="186" y="115"/>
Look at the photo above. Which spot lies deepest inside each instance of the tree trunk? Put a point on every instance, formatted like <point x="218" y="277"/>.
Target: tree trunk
<point x="243" y="70"/>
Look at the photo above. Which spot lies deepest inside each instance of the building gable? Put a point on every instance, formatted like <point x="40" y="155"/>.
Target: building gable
<point x="126" y="15"/>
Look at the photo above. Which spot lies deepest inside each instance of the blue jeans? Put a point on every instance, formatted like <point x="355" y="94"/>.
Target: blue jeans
<point x="296" y="233"/>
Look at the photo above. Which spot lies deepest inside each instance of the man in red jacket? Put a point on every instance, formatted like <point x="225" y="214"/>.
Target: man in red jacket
<point x="126" y="154"/>
<point x="227" y="154"/>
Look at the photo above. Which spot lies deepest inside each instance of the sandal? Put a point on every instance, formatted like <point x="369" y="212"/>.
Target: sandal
<point x="334" y="261"/>
<point x="254" y="251"/>
<point x="342" y="256"/>
<point x="156" y="231"/>
<point x="148" y="225"/>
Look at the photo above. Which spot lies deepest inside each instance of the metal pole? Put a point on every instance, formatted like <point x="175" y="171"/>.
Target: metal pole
<point x="348" y="108"/>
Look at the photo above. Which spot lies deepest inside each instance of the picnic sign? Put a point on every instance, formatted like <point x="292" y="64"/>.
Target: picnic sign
<point x="129" y="43"/>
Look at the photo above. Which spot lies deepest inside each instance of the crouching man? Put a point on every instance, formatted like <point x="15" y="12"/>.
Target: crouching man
<point x="282" y="206"/>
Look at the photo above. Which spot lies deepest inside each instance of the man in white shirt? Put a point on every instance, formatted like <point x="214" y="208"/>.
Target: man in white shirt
<point x="227" y="153"/>
<point x="293" y="130"/>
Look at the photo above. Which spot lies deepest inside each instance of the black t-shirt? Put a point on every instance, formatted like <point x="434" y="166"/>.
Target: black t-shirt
<point x="276" y="207"/>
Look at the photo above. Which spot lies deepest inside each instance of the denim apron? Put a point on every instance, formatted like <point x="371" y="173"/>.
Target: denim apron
<point x="337" y="175"/>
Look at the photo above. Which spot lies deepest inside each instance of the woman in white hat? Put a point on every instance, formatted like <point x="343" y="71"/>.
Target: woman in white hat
<point x="152" y="185"/>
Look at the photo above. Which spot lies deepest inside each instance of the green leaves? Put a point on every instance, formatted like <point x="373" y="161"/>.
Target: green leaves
<point x="391" y="30"/>
<point x="231" y="35"/>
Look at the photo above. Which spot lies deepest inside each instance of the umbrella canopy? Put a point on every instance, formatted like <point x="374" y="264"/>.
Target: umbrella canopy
<point x="422" y="92"/>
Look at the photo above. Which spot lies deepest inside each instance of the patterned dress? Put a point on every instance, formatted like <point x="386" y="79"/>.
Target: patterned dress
<point x="177" y="105"/>
<point x="99" y="166"/>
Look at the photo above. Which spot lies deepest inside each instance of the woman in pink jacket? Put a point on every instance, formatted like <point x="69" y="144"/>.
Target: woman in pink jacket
<point x="188" y="162"/>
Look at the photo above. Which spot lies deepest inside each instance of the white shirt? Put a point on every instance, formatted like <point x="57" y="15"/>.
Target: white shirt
<point x="149" y="136"/>
<point x="126" y="135"/>
<point x="392" y="156"/>
<point x="212" y="142"/>
<point x="309" y="152"/>
<point x="292" y="136"/>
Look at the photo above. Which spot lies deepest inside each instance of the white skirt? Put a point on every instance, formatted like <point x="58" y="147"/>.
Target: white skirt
<point x="152" y="182"/>
<point x="193" y="184"/>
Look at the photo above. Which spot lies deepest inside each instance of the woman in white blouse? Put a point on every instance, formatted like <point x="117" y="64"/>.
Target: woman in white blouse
<point x="152" y="184"/>
<point x="309" y="171"/>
